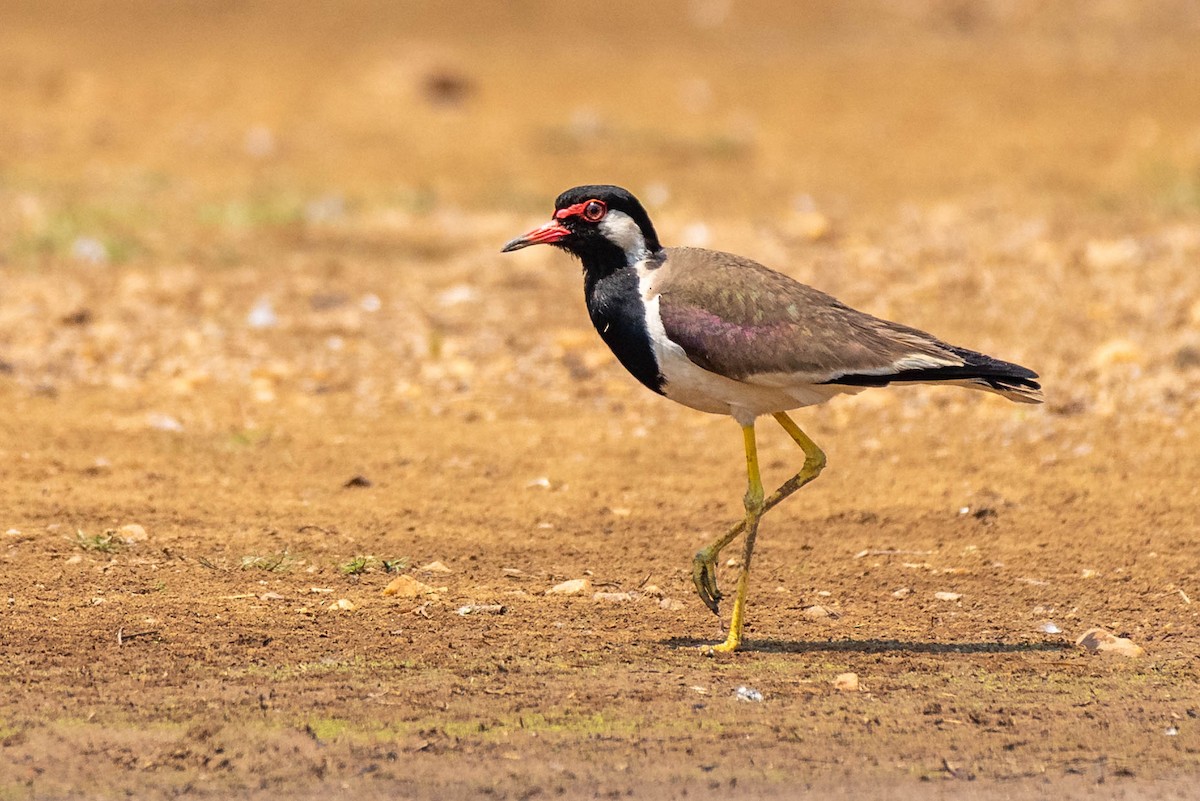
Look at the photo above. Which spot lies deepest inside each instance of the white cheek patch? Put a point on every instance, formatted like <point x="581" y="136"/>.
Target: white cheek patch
<point x="620" y="229"/>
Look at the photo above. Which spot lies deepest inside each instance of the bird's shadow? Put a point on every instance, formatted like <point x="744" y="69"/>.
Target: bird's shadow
<point x="875" y="646"/>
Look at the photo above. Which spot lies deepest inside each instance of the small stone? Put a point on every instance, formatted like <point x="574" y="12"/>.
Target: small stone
<point x="163" y="422"/>
<point x="1111" y="254"/>
<point x="748" y="694"/>
<point x="818" y="612"/>
<point x="357" y="481"/>
<point x="1089" y="573"/>
<point x="481" y="609"/>
<point x="1097" y="640"/>
<point x="511" y="572"/>
<point x="456" y="295"/>
<point x="902" y="593"/>
<point x="270" y="596"/>
<point x="846" y="682"/>
<point x="342" y="605"/>
<point x="89" y="250"/>
<point x="733" y="561"/>
<point x="948" y="596"/>
<point x="133" y="533"/>
<point x="652" y="590"/>
<point x="1050" y="627"/>
<point x="435" y="567"/>
<point x="670" y="604"/>
<point x="262" y="315"/>
<point x="572" y="587"/>
<point x="407" y="587"/>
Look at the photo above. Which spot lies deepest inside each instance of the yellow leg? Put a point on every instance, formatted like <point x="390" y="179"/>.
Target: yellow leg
<point x="704" y="565"/>
<point x="754" y="511"/>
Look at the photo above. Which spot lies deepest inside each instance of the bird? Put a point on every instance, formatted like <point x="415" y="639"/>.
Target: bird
<point x="726" y="335"/>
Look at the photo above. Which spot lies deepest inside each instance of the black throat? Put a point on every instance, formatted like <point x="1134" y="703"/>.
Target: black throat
<point x="614" y="302"/>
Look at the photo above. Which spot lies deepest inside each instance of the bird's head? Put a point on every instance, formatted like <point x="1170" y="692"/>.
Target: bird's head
<point x="596" y="222"/>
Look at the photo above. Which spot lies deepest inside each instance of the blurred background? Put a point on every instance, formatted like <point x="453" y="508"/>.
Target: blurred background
<point x="179" y="183"/>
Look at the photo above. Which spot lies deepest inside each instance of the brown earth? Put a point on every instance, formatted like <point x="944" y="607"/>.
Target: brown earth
<point x="1019" y="179"/>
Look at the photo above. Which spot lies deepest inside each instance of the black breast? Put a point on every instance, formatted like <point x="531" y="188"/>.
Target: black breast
<point x="615" y="305"/>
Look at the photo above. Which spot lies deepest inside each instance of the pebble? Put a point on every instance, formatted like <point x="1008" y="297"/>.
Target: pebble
<point x="670" y="604"/>
<point x="407" y="587"/>
<point x="435" y="567"/>
<point x="481" y="609"/>
<point x="948" y="596"/>
<point x="89" y="250"/>
<point x="512" y="572"/>
<point x="748" y="694"/>
<point x="1097" y="640"/>
<point x="902" y="593"/>
<point x="262" y="315"/>
<point x="1050" y="627"/>
<point x="343" y="605"/>
<point x="163" y="422"/>
<point x="1110" y="254"/>
<point x="572" y="587"/>
<point x="270" y="596"/>
<point x="818" y="612"/>
<point x="133" y="533"/>
<point x="457" y="294"/>
<point x="846" y="682"/>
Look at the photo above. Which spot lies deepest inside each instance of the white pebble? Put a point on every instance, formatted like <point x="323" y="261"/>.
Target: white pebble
<point x="748" y="694"/>
<point x="569" y="587"/>
<point x="262" y="315"/>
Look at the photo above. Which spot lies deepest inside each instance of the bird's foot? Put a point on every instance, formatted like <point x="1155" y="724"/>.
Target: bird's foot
<point x="704" y="576"/>
<point x="730" y="645"/>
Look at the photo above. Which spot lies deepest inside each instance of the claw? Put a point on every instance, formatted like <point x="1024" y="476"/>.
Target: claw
<point x="704" y="576"/>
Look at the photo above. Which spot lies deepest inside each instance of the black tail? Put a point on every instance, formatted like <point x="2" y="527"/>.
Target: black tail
<point x="978" y="371"/>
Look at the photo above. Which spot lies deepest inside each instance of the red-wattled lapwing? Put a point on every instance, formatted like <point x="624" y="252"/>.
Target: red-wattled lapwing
<point x="726" y="335"/>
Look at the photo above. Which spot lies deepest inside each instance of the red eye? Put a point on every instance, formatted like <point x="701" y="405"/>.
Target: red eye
<point x="594" y="211"/>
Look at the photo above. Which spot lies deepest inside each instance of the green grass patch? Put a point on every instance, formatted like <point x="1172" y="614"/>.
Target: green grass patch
<point x="108" y="542"/>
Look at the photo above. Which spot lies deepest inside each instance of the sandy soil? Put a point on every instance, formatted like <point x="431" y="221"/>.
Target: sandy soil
<point x="259" y="355"/>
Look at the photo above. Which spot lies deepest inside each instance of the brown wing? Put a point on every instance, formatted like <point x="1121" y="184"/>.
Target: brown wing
<point x="735" y="317"/>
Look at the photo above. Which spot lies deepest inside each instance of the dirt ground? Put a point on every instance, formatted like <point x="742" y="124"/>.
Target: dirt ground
<point x="260" y="356"/>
